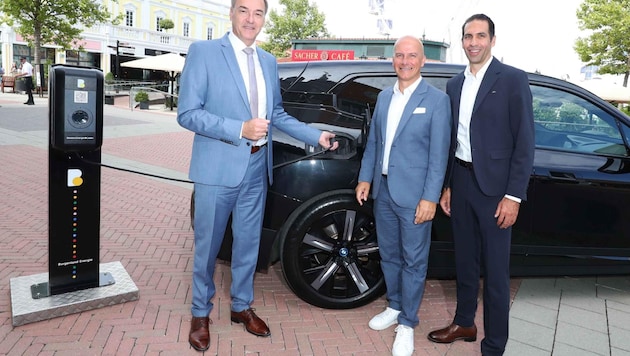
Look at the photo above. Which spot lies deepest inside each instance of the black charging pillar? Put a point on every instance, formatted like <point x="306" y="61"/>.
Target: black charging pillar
<point x="74" y="179"/>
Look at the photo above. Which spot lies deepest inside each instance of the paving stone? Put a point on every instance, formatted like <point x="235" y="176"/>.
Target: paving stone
<point x="531" y="334"/>
<point x="533" y="313"/>
<point x="582" y="338"/>
<point x="583" y="318"/>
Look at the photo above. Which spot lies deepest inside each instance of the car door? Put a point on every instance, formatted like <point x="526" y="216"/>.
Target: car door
<point x="580" y="186"/>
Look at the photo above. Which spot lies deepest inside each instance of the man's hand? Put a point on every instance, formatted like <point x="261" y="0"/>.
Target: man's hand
<point x="445" y="201"/>
<point x="362" y="190"/>
<point x="425" y="211"/>
<point x="324" y="141"/>
<point x="255" y="129"/>
<point x="506" y="213"/>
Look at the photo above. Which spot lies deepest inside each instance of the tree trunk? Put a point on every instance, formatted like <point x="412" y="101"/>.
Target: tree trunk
<point x="36" y="57"/>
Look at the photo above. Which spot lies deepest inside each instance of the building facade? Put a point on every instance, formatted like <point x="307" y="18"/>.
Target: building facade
<point x="359" y="48"/>
<point x="138" y="35"/>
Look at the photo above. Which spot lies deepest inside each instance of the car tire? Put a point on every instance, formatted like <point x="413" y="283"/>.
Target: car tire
<point x="324" y="265"/>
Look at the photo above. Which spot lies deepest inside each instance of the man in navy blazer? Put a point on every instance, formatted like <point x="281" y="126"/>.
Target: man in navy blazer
<point x="492" y="154"/>
<point x="231" y="161"/>
<point x="404" y="163"/>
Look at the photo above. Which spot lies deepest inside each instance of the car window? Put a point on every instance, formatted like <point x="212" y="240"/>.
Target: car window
<point x="359" y="94"/>
<point x="568" y="122"/>
<point x="438" y="82"/>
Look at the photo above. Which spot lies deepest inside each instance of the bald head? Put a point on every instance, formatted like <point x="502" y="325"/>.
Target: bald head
<point x="408" y="59"/>
<point x="410" y="40"/>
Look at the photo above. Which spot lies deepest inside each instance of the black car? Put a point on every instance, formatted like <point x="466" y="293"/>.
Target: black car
<point x="576" y="220"/>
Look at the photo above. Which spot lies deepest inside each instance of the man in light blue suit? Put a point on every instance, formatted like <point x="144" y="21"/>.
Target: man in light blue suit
<point x="230" y="98"/>
<point x="404" y="164"/>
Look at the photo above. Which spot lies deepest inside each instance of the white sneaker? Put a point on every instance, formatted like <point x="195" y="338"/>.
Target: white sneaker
<point x="403" y="345"/>
<point x="384" y="320"/>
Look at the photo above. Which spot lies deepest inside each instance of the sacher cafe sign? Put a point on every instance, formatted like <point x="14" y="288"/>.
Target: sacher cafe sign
<point x="321" y="55"/>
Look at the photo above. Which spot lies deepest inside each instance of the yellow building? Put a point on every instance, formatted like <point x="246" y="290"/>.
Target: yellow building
<point x="138" y="35"/>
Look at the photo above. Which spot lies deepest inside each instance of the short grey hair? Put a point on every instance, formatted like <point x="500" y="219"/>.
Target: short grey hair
<point x="266" y="5"/>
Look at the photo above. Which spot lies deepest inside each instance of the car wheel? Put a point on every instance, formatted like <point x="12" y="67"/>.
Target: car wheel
<point x="329" y="252"/>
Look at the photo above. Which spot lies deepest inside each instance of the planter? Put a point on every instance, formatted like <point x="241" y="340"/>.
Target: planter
<point x="109" y="100"/>
<point x="144" y="105"/>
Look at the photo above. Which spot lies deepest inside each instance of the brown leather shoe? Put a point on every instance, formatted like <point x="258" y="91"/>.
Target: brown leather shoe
<point x="253" y="324"/>
<point x="199" y="337"/>
<point x="452" y="333"/>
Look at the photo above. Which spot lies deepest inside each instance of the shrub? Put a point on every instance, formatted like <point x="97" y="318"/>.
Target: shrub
<point x="141" y="96"/>
<point x="109" y="77"/>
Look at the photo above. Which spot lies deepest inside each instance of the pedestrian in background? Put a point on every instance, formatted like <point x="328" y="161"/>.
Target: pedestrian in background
<point x="27" y="73"/>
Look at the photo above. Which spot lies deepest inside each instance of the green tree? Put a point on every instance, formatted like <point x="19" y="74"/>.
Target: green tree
<point x="298" y="20"/>
<point x="166" y="24"/>
<point x="608" y="45"/>
<point x="56" y="22"/>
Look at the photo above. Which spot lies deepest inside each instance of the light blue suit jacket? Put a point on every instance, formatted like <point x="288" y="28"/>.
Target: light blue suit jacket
<point x="213" y="103"/>
<point x="419" y="152"/>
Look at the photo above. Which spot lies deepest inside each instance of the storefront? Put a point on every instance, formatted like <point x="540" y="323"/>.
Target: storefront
<point x="83" y="59"/>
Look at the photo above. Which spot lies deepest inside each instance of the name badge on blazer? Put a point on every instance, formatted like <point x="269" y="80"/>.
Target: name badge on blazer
<point x="420" y="110"/>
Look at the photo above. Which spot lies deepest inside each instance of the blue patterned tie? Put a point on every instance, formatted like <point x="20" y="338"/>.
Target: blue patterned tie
<point x="253" y="87"/>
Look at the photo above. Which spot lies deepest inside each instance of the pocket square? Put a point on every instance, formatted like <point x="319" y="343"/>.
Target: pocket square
<point x="420" y="110"/>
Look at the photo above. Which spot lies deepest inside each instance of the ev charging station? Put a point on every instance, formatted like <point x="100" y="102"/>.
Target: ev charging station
<point x="76" y="280"/>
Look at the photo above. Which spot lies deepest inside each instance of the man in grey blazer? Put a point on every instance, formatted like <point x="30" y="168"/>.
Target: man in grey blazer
<point x="404" y="163"/>
<point x="230" y="98"/>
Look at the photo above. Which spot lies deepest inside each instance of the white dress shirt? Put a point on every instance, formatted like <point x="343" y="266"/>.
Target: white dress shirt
<point x="241" y="58"/>
<point x="466" y="104"/>
<point x="394" y="114"/>
<point x="27" y="69"/>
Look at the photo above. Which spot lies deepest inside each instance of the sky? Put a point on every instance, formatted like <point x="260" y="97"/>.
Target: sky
<point x="531" y="35"/>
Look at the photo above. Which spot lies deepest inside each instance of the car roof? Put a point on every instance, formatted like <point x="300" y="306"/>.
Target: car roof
<point x="323" y="76"/>
<point x="327" y="74"/>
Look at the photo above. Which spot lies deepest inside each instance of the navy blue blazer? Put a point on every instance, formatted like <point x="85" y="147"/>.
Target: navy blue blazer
<point x="501" y="130"/>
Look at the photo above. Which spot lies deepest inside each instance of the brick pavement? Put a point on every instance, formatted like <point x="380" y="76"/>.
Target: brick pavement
<point x="145" y="226"/>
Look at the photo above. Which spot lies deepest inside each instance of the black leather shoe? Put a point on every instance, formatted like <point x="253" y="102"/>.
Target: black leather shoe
<point x="253" y="324"/>
<point x="199" y="337"/>
<point x="452" y="333"/>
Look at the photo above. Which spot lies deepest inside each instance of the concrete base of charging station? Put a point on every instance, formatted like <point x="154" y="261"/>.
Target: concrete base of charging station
<point x="116" y="287"/>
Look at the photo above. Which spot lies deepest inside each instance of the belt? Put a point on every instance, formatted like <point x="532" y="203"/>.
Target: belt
<point x="467" y="165"/>
<point x="257" y="148"/>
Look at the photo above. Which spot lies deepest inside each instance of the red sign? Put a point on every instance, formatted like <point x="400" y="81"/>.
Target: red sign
<point x="321" y="55"/>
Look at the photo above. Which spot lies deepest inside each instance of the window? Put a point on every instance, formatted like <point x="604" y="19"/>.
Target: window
<point x="157" y="23"/>
<point x="359" y="94"/>
<point x="129" y="15"/>
<point x="186" y="29"/>
<point x="567" y="122"/>
<point x="210" y="32"/>
<point x="376" y="51"/>
<point x="83" y="59"/>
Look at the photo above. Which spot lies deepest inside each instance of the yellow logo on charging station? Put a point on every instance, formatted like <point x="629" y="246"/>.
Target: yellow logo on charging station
<point x="74" y="177"/>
